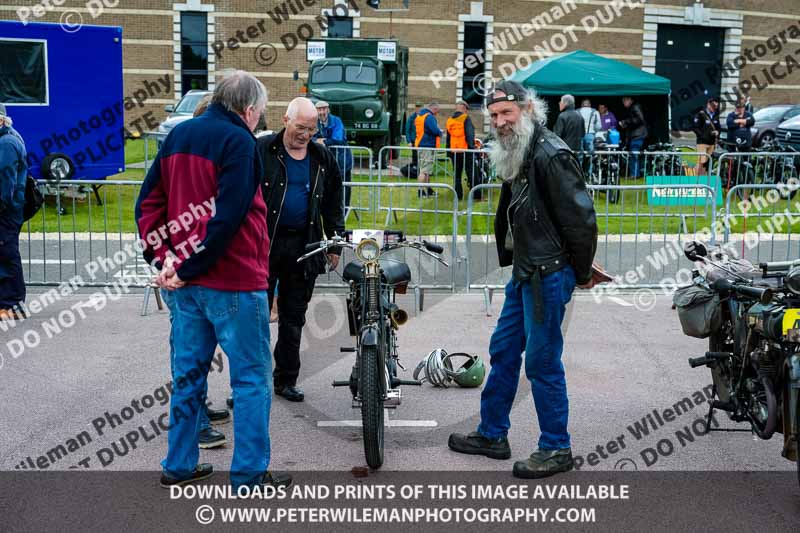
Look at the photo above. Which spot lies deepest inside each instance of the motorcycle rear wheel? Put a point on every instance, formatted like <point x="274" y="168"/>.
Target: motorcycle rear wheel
<point x="371" y="383"/>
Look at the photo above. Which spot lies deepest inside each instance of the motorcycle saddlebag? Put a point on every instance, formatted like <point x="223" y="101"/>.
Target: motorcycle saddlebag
<point x="698" y="310"/>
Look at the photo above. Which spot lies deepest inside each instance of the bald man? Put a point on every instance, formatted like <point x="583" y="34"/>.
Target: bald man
<point x="303" y="190"/>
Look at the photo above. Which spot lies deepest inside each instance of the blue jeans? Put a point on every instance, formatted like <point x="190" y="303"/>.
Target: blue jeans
<point x="239" y="322"/>
<point x="169" y="299"/>
<point x="636" y="146"/>
<point x="588" y="150"/>
<point x="542" y="343"/>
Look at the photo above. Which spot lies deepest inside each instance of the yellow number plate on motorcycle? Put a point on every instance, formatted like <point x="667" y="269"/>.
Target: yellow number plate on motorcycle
<point x="791" y="320"/>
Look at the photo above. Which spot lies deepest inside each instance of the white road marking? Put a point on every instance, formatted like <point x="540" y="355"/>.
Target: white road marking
<point x="386" y="422"/>
<point x="48" y="262"/>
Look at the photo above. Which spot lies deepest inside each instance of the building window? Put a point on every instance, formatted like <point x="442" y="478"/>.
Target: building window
<point x="474" y="60"/>
<point x="23" y="72"/>
<point x="340" y="26"/>
<point x="194" y="51"/>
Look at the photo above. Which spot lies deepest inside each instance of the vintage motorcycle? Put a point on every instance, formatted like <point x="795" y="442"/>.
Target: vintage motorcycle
<point x="752" y="320"/>
<point x="373" y="318"/>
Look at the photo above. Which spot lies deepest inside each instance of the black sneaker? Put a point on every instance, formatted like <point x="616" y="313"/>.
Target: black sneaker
<point x="211" y="438"/>
<point x="218" y="416"/>
<point x="201" y="471"/>
<point x="544" y="463"/>
<point x="432" y="193"/>
<point x="477" y="444"/>
<point x="421" y="193"/>
<point x="276" y="479"/>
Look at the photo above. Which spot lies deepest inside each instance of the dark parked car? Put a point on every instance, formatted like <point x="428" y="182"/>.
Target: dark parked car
<point x="766" y="126"/>
<point x="788" y="134"/>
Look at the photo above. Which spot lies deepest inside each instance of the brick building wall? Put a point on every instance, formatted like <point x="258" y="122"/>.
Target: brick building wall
<point x="431" y="29"/>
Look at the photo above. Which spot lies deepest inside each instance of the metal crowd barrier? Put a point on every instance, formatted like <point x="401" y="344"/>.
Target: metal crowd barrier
<point x="355" y="164"/>
<point x="401" y="158"/>
<point x="767" y="217"/>
<point x="74" y="230"/>
<point x="83" y="224"/>
<point x="642" y="258"/>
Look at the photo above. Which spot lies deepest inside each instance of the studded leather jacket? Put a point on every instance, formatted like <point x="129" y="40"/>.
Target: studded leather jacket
<point x="546" y="218"/>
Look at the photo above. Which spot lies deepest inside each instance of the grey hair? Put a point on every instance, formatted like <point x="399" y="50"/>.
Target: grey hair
<point x="5" y="120"/>
<point x="297" y="104"/>
<point x="568" y="100"/>
<point x="239" y="90"/>
<point x="539" y="106"/>
<point x="433" y="105"/>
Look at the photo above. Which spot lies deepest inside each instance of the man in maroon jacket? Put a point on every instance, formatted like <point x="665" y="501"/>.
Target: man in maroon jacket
<point x="202" y="219"/>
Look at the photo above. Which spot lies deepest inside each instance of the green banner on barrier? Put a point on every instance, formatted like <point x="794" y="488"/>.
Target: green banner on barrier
<point x="664" y="190"/>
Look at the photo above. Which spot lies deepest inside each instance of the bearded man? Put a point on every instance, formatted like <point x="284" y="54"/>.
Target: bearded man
<point x="546" y="227"/>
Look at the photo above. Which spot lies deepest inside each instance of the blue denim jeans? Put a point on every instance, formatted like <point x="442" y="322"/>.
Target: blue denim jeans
<point x="636" y="146"/>
<point x="542" y="343"/>
<point x="588" y="149"/>
<point x="169" y="299"/>
<point x="239" y="323"/>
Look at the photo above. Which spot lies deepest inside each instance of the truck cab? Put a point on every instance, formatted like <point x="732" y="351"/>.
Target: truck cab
<point x="364" y="81"/>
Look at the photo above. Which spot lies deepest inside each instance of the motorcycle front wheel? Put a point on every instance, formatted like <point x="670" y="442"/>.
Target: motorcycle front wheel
<point x="371" y="383"/>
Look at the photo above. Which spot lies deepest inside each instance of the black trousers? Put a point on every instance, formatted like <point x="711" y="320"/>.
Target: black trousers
<point x="12" y="283"/>
<point x="294" y="293"/>
<point x="463" y="161"/>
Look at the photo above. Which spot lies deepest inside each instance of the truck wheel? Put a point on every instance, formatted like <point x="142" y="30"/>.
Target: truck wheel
<point x="56" y="167"/>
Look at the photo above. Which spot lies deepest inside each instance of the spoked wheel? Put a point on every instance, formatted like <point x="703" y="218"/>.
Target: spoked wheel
<point x="371" y="383"/>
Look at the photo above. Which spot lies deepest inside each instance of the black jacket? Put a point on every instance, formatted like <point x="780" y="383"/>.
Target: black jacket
<point x="552" y="216"/>
<point x="704" y="125"/>
<point x="740" y="135"/>
<point x="634" y="124"/>
<point x="570" y="127"/>
<point x="326" y="209"/>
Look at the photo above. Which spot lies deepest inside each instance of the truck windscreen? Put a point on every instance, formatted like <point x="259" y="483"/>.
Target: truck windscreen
<point x="327" y="73"/>
<point x="361" y="74"/>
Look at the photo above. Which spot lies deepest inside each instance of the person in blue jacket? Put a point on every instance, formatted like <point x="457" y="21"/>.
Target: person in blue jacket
<point x="13" y="173"/>
<point x="410" y="132"/>
<point x="331" y="133"/>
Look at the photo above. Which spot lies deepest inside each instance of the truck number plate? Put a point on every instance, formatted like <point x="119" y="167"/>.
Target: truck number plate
<point x="366" y="126"/>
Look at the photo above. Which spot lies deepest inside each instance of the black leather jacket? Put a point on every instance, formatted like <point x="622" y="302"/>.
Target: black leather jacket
<point x="551" y="214"/>
<point x="570" y="127"/>
<point x="326" y="209"/>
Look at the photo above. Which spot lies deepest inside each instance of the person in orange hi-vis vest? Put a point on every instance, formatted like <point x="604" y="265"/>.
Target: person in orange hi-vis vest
<point x="460" y="137"/>
<point x="426" y="134"/>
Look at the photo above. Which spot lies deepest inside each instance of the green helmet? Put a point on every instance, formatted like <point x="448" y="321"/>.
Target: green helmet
<point x="468" y="375"/>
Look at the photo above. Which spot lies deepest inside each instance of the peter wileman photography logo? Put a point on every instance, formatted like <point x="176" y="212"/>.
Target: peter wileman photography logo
<point x="70" y="20"/>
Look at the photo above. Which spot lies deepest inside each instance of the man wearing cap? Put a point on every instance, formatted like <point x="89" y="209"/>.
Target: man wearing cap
<point x="13" y="173"/>
<point x="331" y="133"/>
<point x="706" y="128"/>
<point x="460" y="137"/>
<point x="546" y="227"/>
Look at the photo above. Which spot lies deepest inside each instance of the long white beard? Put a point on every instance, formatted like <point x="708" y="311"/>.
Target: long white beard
<point x="507" y="153"/>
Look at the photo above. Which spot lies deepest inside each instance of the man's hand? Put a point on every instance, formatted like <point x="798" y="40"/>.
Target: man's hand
<point x="333" y="261"/>
<point x="320" y="140"/>
<point x="589" y="285"/>
<point x="168" y="278"/>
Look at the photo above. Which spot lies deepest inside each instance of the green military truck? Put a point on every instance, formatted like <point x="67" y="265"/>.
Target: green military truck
<point x="365" y="83"/>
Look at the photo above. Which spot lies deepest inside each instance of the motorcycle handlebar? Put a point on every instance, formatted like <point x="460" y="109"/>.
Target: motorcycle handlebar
<point x="764" y="296"/>
<point x="432" y="247"/>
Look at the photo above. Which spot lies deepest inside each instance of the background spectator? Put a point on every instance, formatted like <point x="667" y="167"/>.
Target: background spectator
<point x="13" y="174"/>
